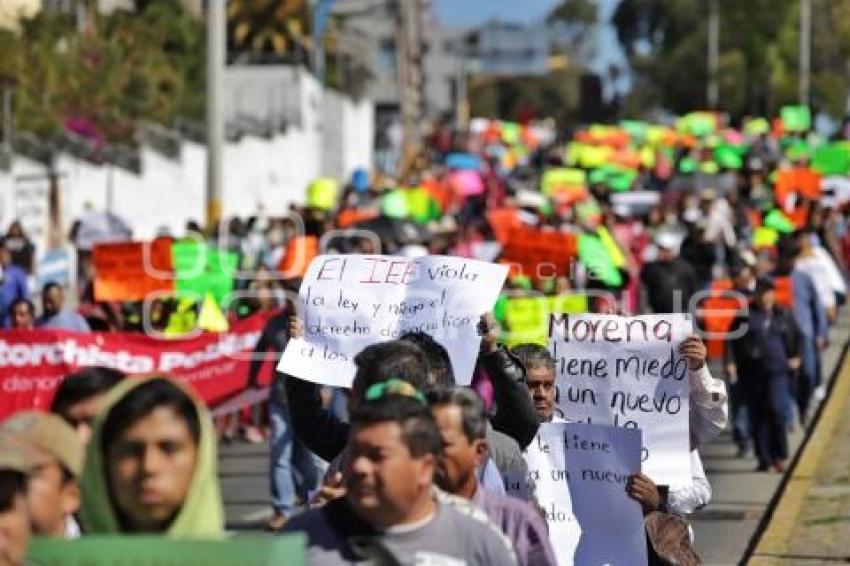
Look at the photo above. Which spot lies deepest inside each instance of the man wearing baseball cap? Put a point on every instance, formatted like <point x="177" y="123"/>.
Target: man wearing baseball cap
<point x="53" y="492"/>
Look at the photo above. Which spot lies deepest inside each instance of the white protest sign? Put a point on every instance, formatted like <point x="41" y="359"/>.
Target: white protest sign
<point x="547" y="480"/>
<point x="627" y="371"/>
<point x="352" y="301"/>
<point x="579" y="474"/>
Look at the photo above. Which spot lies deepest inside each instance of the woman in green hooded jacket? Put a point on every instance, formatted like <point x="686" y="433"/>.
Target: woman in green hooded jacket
<point x="151" y="464"/>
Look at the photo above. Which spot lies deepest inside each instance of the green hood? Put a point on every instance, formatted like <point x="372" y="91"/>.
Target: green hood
<point x="201" y="516"/>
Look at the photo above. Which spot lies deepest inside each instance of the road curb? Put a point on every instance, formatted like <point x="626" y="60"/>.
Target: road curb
<point x="782" y="516"/>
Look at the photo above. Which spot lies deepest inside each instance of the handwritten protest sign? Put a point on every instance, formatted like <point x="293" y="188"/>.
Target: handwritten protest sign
<point x="599" y="461"/>
<point x="353" y="301"/>
<point x="578" y="473"/>
<point x="546" y="481"/>
<point x="94" y="550"/>
<point x="627" y="371"/>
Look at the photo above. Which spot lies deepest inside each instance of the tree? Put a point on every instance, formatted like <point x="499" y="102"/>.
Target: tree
<point x="123" y="68"/>
<point x="665" y="42"/>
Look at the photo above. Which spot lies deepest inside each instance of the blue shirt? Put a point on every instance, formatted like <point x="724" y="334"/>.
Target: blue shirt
<point x="64" y="320"/>
<point x="809" y="312"/>
<point x="13" y="286"/>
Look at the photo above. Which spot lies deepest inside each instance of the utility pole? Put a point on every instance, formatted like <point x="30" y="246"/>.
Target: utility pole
<point x="6" y="84"/>
<point x="805" y="50"/>
<point x="409" y="66"/>
<point x="216" y="50"/>
<point x="462" y="93"/>
<point x="713" y="90"/>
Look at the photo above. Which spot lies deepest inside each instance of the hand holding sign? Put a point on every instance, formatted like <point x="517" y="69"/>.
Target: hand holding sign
<point x="644" y="491"/>
<point x="631" y="372"/>
<point x="693" y="349"/>
<point x="352" y="301"/>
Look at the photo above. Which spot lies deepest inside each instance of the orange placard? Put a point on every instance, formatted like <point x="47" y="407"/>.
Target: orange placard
<point x="784" y="291"/>
<point x="716" y="314"/>
<point x="539" y="254"/>
<point x="300" y="251"/>
<point x="127" y="272"/>
<point x="350" y="216"/>
<point x="503" y="221"/>
<point x="801" y="181"/>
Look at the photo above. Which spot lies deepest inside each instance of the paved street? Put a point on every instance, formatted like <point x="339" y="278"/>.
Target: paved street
<point x="739" y="494"/>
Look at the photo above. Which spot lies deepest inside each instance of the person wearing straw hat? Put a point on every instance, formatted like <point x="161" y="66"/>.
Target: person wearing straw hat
<point x="53" y="495"/>
<point x="17" y="460"/>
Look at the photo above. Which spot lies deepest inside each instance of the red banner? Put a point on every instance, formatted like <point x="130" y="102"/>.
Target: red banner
<point x="34" y="362"/>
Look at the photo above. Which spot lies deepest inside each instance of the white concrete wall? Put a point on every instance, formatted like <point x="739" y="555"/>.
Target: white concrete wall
<point x="258" y="172"/>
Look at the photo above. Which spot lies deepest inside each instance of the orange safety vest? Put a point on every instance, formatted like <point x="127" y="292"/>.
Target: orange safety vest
<point x="716" y="313"/>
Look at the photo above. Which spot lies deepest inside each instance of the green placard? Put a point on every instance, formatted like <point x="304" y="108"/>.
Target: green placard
<point x="322" y="193"/>
<point x="511" y="132"/>
<point x="622" y="180"/>
<point x="699" y="124"/>
<point x="729" y="156"/>
<point x="394" y="204"/>
<point x="593" y="253"/>
<point x="764" y="237"/>
<point x="553" y="179"/>
<point x="756" y="126"/>
<point x="527" y="318"/>
<point x="796" y="118"/>
<point x="287" y="549"/>
<point x="202" y="269"/>
<point x="831" y="159"/>
<point x="776" y="220"/>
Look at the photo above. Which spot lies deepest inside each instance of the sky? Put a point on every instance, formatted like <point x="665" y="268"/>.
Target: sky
<point x="469" y="13"/>
<point x="472" y="13"/>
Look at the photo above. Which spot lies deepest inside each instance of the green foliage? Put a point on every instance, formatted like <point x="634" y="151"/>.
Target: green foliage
<point x="666" y="43"/>
<point x="555" y="95"/>
<point x="122" y="68"/>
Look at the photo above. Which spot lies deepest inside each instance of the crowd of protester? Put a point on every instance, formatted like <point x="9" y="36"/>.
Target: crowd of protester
<point x="406" y="464"/>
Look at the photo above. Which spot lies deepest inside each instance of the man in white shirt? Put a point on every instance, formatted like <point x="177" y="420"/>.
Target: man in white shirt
<point x="708" y="416"/>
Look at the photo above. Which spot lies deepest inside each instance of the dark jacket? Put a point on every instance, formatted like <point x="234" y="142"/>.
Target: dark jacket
<point x="514" y="412"/>
<point x="326" y="435"/>
<point x="768" y="343"/>
<point x="320" y="430"/>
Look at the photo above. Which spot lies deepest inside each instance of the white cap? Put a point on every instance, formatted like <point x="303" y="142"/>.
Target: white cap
<point x="622" y="210"/>
<point x="668" y="240"/>
<point x="530" y="199"/>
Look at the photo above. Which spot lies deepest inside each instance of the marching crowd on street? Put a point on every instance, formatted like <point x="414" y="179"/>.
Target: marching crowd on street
<point x="745" y="228"/>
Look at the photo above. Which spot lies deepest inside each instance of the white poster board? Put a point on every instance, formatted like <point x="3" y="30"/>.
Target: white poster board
<point x="546" y="483"/>
<point x="579" y="474"/>
<point x="628" y="372"/>
<point x="352" y="301"/>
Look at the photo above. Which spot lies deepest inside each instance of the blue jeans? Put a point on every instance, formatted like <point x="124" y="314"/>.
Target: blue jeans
<point x="293" y="472"/>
